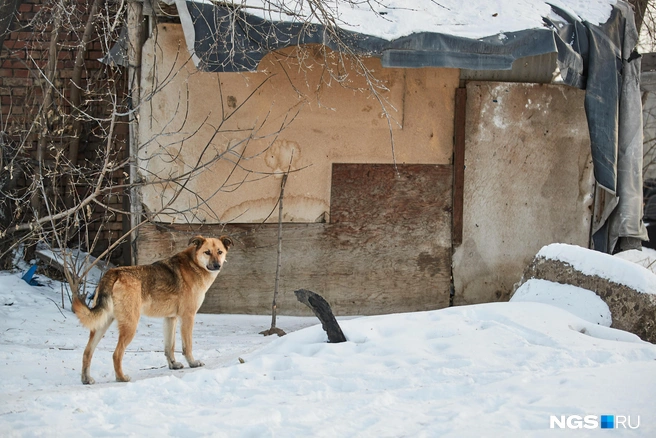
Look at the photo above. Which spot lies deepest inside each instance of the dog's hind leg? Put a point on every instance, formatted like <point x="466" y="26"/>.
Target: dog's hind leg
<point x="169" y="343"/>
<point x="186" y="330"/>
<point x="94" y="337"/>
<point x="126" y="332"/>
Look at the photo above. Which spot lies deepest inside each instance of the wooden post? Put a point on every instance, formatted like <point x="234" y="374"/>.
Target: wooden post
<point x="135" y="38"/>
<point x="459" y="165"/>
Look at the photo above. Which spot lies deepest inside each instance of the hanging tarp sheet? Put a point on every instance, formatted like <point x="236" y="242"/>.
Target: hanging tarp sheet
<point x="598" y="58"/>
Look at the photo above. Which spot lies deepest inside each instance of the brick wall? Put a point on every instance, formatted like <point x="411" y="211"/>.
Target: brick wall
<point x="23" y="58"/>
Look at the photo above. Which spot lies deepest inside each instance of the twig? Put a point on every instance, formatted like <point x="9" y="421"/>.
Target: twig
<point x="274" y="306"/>
<point x="152" y="368"/>
<point x="58" y="308"/>
<point x="279" y="255"/>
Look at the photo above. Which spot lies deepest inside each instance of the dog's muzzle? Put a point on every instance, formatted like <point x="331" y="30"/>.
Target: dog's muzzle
<point x="214" y="266"/>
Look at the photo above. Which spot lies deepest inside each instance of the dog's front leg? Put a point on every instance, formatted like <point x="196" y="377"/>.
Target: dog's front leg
<point x="186" y="329"/>
<point x="169" y="343"/>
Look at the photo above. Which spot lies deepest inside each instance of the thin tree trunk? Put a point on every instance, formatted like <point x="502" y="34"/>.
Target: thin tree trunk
<point x="75" y="99"/>
<point x="640" y="8"/>
<point x="51" y="68"/>
<point x="274" y="305"/>
<point x="8" y="9"/>
<point x="135" y="38"/>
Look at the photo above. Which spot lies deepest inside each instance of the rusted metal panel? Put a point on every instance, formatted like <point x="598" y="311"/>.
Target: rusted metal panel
<point x="387" y="249"/>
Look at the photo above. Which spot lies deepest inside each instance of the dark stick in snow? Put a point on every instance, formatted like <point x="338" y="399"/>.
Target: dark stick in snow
<point x="322" y="310"/>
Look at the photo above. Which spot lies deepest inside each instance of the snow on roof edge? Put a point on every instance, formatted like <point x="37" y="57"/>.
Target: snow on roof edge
<point x="393" y="19"/>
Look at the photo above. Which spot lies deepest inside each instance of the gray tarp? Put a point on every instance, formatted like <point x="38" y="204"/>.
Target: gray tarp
<point x="598" y="58"/>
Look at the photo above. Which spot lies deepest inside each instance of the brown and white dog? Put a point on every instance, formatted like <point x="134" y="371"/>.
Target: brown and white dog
<point x="170" y="289"/>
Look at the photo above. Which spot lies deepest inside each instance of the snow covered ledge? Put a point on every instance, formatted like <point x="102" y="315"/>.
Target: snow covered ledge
<point x="627" y="288"/>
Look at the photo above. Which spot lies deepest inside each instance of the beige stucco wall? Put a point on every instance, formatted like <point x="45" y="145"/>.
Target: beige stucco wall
<point x="249" y="127"/>
<point x="528" y="183"/>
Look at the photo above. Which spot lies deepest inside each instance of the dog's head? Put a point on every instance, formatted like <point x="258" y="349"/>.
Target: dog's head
<point x="210" y="252"/>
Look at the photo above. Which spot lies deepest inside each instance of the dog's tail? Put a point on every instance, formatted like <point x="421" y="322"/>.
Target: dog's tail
<point x="103" y="309"/>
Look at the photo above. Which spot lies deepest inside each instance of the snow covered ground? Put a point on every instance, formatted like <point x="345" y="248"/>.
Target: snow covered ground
<point x="500" y="369"/>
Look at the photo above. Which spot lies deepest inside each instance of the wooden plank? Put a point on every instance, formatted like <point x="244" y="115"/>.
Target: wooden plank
<point x="387" y="250"/>
<point x="459" y="164"/>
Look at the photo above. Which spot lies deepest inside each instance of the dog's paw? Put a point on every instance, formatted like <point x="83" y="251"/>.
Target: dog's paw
<point x="125" y="378"/>
<point x="196" y="364"/>
<point x="175" y="365"/>
<point x="88" y="380"/>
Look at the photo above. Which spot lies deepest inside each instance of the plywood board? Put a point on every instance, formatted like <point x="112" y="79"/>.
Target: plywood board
<point x="232" y="125"/>
<point x="387" y="249"/>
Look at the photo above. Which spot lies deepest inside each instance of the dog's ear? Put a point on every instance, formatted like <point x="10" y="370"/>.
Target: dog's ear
<point x="227" y="242"/>
<point x="197" y="241"/>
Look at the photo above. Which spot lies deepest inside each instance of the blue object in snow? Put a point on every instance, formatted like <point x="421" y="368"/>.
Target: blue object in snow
<point x="30" y="278"/>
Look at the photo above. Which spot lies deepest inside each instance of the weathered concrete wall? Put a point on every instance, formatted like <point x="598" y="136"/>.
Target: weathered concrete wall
<point x="528" y="183"/>
<point x="238" y="115"/>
